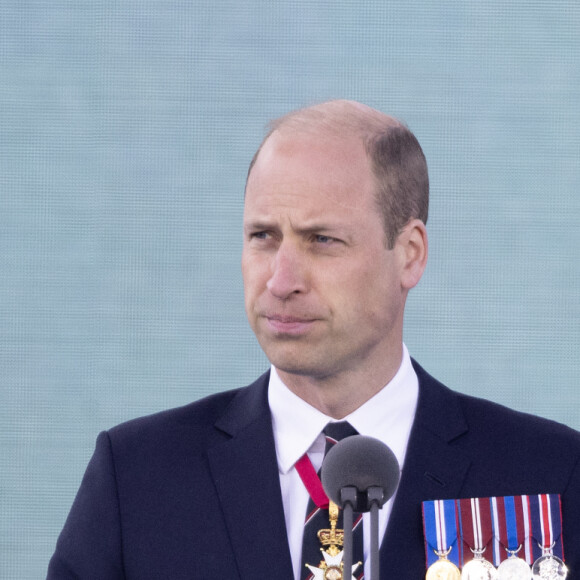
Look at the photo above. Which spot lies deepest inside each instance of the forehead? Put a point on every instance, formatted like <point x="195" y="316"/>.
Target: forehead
<point x="309" y="167"/>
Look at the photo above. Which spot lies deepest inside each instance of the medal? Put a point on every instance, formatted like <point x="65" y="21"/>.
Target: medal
<point x="443" y="569"/>
<point x="512" y="531"/>
<point x="549" y="567"/>
<point x="440" y="527"/>
<point x="510" y="534"/>
<point x="478" y="568"/>
<point x="547" y="530"/>
<point x="514" y="568"/>
<point x="477" y="533"/>
<point x="332" y="539"/>
<point x="330" y="568"/>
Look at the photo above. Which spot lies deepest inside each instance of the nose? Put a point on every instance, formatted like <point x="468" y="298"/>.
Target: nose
<point x="288" y="272"/>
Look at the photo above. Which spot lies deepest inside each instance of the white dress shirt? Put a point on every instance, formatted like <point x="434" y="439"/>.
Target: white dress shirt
<point x="388" y="416"/>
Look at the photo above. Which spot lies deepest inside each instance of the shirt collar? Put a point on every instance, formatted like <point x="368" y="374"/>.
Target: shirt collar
<point x="388" y="416"/>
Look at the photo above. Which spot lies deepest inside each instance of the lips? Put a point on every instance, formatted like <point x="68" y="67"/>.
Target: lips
<point x="290" y="325"/>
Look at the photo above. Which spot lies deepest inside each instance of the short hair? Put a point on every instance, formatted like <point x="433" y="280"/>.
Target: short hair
<point x="396" y="158"/>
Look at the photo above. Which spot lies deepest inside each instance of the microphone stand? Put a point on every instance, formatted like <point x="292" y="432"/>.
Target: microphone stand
<point x="353" y="464"/>
<point x="349" y="499"/>
<point x="348" y="496"/>
<point x="375" y="496"/>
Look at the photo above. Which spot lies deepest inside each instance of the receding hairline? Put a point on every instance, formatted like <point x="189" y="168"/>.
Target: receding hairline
<point x="397" y="161"/>
<point x="339" y="118"/>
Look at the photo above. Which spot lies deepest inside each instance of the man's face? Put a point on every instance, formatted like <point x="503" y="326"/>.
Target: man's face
<point x="323" y="293"/>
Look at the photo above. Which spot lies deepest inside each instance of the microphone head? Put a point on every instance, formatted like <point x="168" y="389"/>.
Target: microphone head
<point x="361" y="462"/>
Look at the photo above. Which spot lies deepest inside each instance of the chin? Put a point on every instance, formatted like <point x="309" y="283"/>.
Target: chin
<point x="301" y="366"/>
<point x="290" y="362"/>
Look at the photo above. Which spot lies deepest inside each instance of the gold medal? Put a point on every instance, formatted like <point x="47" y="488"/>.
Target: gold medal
<point x="443" y="569"/>
<point x="330" y="568"/>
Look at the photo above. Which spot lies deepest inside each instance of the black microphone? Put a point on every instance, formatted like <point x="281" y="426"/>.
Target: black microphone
<point x="360" y="473"/>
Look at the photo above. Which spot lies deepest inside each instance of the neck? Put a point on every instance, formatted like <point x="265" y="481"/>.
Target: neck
<point x="339" y="395"/>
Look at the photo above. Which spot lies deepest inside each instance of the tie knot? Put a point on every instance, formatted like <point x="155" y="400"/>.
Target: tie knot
<point x="335" y="432"/>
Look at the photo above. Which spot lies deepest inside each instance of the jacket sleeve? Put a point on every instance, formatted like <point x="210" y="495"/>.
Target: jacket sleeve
<point x="90" y="544"/>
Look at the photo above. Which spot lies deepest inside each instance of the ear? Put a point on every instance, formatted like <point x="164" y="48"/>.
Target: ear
<point x="413" y="249"/>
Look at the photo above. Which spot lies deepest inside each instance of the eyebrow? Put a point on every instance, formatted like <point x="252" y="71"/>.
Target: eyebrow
<point x="257" y="225"/>
<point x="340" y="231"/>
<point x="308" y="229"/>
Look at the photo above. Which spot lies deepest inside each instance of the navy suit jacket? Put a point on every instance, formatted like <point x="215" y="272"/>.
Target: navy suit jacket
<point x="194" y="492"/>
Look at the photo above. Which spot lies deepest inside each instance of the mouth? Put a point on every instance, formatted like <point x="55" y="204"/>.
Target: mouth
<point x="289" y="325"/>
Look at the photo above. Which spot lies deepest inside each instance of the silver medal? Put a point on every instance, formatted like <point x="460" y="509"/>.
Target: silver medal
<point x="514" y="568"/>
<point x="549" y="567"/>
<point x="478" y="569"/>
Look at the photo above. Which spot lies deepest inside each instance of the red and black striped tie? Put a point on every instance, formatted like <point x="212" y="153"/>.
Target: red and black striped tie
<point x="318" y="518"/>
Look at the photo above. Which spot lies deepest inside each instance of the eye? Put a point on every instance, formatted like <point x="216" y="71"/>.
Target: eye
<point x="259" y="235"/>
<point x="322" y="239"/>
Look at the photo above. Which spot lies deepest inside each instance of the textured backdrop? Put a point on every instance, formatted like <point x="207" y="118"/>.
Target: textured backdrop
<point x="126" y="128"/>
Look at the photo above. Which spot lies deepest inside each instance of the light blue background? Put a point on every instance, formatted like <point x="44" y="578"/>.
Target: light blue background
<point x="126" y="129"/>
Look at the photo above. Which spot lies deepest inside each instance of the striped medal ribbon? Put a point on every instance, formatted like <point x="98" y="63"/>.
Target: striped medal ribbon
<point x="476" y="533"/>
<point x="441" y="539"/>
<point x="510" y="537"/>
<point x="546" y="519"/>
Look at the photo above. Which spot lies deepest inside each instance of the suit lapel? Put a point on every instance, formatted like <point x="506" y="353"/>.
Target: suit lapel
<point x="244" y="469"/>
<point x="245" y="474"/>
<point x="433" y="469"/>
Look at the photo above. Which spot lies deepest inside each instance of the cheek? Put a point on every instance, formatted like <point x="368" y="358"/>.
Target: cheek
<point x="375" y="290"/>
<point x="368" y="279"/>
<point x="248" y="268"/>
<point x="255" y="277"/>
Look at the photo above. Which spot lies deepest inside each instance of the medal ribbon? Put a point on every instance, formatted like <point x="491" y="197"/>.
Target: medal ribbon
<point x="314" y="488"/>
<point x="532" y="522"/>
<point x="509" y="524"/>
<point x="498" y="523"/>
<point x="476" y="530"/>
<point x="440" y="526"/>
<point x="524" y="503"/>
<point x="513" y="539"/>
<point x="311" y="481"/>
<point x="546" y="519"/>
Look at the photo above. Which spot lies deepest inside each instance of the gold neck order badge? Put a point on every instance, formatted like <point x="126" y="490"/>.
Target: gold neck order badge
<point x="332" y="540"/>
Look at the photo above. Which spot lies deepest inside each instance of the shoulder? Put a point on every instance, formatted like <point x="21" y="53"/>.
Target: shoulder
<point x="520" y="449"/>
<point x="520" y="438"/>
<point x="492" y="420"/>
<point x="504" y="452"/>
<point x="192" y="425"/>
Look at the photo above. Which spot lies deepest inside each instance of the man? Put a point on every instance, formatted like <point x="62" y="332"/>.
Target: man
<point x="334" y="238"/>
